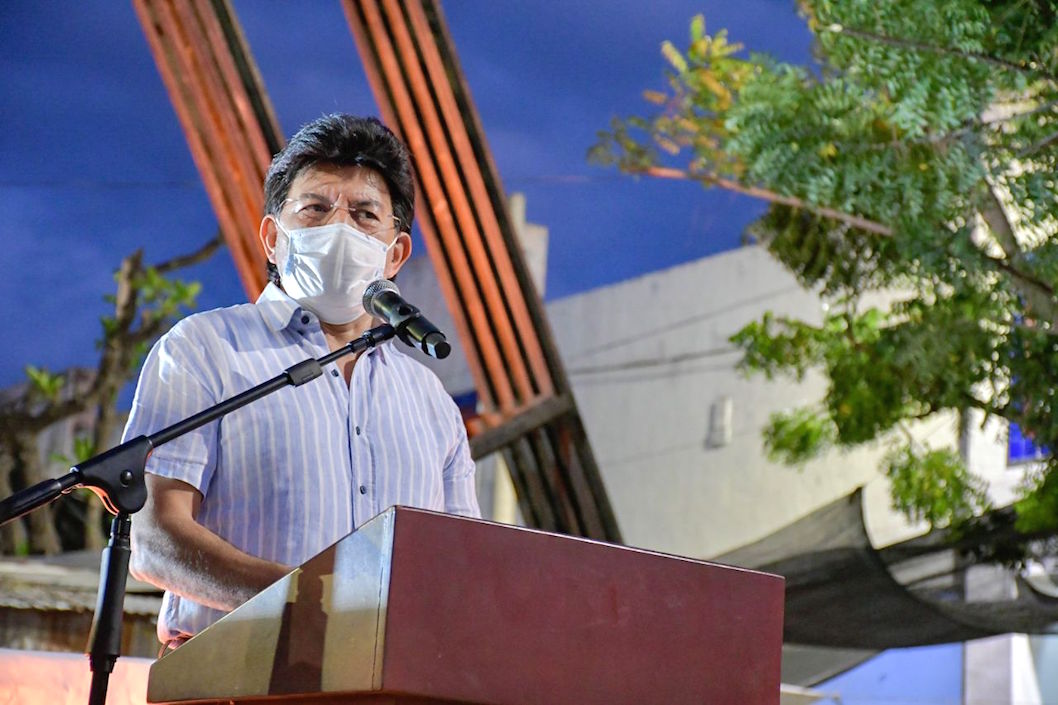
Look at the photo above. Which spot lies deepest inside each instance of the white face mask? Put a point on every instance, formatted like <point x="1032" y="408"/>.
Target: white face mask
<point x="327" y="268"/>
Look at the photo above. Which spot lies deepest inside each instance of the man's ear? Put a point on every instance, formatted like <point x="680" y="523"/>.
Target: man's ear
<point x="398" y="254"/>
<point x="268" y="233"/>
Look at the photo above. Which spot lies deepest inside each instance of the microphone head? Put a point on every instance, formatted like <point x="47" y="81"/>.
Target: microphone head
<point x="435" y="345"/>
<point x="373" y="290"/>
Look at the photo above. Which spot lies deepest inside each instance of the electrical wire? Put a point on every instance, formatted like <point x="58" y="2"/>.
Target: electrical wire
<point x="651" y="362"/>
<point x="681" y="323"/>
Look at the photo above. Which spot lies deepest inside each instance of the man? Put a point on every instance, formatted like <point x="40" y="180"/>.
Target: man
<point x="236" y="504"/>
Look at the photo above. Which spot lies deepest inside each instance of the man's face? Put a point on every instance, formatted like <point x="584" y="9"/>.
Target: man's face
<point x="349" y="187"/>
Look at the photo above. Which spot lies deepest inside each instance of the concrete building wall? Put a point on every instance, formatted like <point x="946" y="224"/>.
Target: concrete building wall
<point x="677" y="430"/>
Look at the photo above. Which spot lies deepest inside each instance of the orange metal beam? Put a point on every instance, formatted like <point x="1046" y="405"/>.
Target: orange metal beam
<point x="494" y="243"/>
<point x="488" y="262"/>
<point x="196" y="45"/>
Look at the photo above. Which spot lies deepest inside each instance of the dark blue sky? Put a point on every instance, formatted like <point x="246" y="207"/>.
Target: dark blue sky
<point x="94" y="163"/>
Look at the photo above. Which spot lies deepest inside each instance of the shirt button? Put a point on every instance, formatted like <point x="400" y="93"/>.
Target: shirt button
<point x="363" y="490"/>
<point x="305" y="319"/>
<point x="358" y="430"/>
<point x="334" y="373"/>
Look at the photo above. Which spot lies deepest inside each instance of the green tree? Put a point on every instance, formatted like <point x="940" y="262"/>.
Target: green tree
<point x="917" y="158"/>
<point x="145" y="304"/>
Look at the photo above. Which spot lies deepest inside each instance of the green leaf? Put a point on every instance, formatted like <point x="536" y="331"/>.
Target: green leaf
<point x="697" y="28"/>
<point x="670" y="52"/>
<point x="798" y="436"/>
<point x="934" y="486"/>
<point x="1037" y="511"/>
<point x="83" y="448"/>
<point x="45" y="383"/>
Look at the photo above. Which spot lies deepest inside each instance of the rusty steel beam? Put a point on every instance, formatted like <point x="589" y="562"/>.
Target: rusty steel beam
<point x="529" y="412"/>
<point x="230" y="126"/>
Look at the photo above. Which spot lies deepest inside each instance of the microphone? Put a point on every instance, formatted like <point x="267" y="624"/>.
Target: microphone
<point x="382" y="299"/>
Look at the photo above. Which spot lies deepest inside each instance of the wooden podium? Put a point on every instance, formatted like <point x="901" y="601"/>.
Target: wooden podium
<point x="420" y="607"/>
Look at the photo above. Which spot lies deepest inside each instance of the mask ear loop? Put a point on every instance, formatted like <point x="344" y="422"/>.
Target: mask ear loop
<point x="389" y="249"/>
<point x="279" y="226"/>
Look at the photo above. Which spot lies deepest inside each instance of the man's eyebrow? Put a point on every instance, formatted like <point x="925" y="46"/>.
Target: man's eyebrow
<point x="355" y="204"/>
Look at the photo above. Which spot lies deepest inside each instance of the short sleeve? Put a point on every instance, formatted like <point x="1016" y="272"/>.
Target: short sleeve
<point x="459" y="473"/>
<point x="175" y="383"/>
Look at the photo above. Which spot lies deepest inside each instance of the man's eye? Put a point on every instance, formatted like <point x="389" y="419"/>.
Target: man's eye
<point x="314" y="208"/>
<point x="367" y="216"/>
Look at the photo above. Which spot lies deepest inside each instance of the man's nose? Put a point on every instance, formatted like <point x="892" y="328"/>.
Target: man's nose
<point x="342" y="214"/>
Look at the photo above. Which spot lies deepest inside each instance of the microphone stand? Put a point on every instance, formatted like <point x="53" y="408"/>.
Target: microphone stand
<point x="117" y="477"/>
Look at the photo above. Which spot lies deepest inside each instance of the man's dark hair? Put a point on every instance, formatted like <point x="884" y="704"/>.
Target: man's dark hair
<point x="343" y="140"/>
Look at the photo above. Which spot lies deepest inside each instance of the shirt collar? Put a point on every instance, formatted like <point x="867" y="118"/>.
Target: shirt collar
<point x="279" y="312"/>
<point x="277" y="309"/>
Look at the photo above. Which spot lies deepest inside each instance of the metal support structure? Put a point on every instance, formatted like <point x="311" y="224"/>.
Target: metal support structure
<point x="220" y="100"/>
<point x="528" y="409"/>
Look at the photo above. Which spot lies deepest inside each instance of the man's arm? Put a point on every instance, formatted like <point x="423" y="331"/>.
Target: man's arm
<point x="172" y="550"/>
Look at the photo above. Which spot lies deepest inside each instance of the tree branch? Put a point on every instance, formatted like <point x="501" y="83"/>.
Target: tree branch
<point x="1041" y="145"/>
<point x="971" y="400"/>
<point x="1042" y="287"/>
<point x="114" y="359"/>
<point x="77" y="403"/>
<point x="770" y="196"/>
<point x="1008" y="117"/>
<point x="1039" y="295"/>
<point x="996" y="218"/>
<point x="906" y="432"/>
<point x="934" y="49"/>
<point x="200" y="255"/>
<point x="110" y="361"/>
<point x="148" y="329"/>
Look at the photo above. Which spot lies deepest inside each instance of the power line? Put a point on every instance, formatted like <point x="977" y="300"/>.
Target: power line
<point x="652" y="362"/>
<point x="639" y="336"/>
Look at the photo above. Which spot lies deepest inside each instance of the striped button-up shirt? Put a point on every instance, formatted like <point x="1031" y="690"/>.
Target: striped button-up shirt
<point x="289" y="474"/>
